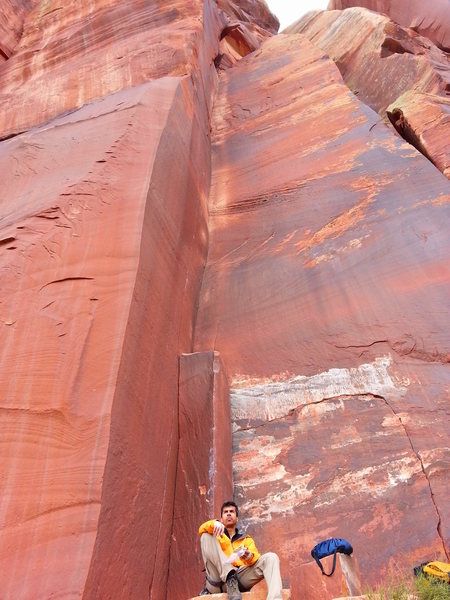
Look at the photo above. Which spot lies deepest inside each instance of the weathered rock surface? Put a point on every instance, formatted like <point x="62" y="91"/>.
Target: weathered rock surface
<point x="327" y="245"/>
<point x="325" y="292"/>
<point x="132" y="45"/>
<point x="88" y="223"/>
<point x="390" y="68"/>
<point x="423" y="120"/>
<point x="429" y="19"/>
<point x="105" y="178"/>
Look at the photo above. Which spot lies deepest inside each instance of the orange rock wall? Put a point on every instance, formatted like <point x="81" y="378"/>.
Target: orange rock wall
<point x="103" y="248"/>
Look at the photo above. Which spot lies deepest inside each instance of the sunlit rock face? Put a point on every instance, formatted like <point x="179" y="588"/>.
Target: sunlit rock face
<point x="397" y="72"/>
<point x="179" y="182"/>
<point x="429" y="19"/>
<point x="327" y="251"/>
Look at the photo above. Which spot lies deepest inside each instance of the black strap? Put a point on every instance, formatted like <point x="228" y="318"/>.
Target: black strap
<point x="321" y="568"/>
<point x="217" y="584"/>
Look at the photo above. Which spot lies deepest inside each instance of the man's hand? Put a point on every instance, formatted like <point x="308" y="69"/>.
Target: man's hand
<point x="246" y="554"/>
<point x="218" y="528"/>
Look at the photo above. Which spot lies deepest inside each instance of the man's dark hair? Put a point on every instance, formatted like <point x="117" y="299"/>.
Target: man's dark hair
<point x="229" y="503"/>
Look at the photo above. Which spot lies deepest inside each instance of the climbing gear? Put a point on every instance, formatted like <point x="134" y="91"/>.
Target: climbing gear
<point x="232" y="585"/>
<point x="438" y="569"/>
<point x="328" y="547"/>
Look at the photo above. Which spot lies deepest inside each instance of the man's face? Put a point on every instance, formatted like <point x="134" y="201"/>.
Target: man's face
<point x="229" y="517"/>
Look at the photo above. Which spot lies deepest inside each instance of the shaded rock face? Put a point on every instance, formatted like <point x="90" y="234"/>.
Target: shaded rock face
<point x="179" y="183"/>
<point x="394" y="70"/>
<point x="431" y="21"/>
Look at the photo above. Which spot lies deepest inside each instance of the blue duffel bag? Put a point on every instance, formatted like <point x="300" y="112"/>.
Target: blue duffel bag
<point x="329" y="547"/>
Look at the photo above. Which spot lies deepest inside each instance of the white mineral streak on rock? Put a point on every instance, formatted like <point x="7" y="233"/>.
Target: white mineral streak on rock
<point x="374" y="481"/>
<point x="435" y="460"/>
<point x="271" y="400"/>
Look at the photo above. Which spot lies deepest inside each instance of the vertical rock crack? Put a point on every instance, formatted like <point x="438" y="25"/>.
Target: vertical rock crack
<point x="439" y="520"/>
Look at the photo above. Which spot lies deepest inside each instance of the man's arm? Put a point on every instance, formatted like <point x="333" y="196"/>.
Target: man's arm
<point x="212" y="527"/>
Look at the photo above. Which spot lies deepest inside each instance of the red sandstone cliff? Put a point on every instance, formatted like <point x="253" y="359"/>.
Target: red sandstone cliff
<point x="195" y="210"/>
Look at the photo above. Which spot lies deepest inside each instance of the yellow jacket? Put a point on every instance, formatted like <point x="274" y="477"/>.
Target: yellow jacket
<point x="228" y="546"/>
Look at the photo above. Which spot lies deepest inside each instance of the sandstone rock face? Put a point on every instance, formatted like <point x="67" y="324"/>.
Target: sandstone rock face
<point x="134" y="43"/>
<point x="325" y="252"/>
<point x="105" y="170"/>
<point x="393" y="70"/>
<point x="429" y="19"/>
<point x="12" y="17"/>
<point x="308" y="246"/>
<point x="89" y="219"/>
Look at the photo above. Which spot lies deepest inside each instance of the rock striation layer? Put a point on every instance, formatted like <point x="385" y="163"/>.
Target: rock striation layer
<point x="12" y="16"/>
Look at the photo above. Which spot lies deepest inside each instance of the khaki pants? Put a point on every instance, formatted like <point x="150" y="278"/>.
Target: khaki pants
<point x="266" y="567"/>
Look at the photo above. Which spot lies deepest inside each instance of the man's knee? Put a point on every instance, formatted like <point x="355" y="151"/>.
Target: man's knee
<point x="208" y="543"/>
<point x="271" y="557"/>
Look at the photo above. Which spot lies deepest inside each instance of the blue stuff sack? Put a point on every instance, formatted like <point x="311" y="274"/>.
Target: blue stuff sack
<point x="329" y="547"/>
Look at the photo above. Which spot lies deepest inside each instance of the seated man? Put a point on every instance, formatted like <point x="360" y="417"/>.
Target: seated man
<point x="231" y="557"/>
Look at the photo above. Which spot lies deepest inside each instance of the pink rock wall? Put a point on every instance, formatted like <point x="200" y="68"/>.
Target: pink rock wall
<point x="12" y="16"/>
<point x="409" y="76"/>
<point x="82" y="260"/>
<point x="105" y="166"/>
<point x="325" y="292"/>
<point x="429" y="19"/>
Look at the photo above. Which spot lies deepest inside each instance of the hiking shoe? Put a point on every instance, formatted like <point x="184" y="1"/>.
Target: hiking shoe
<point x="232" y="584"/>
<point x="205" y="592"/>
